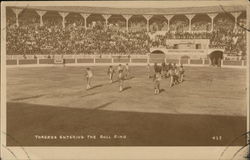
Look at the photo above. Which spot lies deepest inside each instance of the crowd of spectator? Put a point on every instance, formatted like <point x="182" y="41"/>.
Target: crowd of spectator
<point x="52" y="38"/>
<point x="223" y="36"/>
<point x="33" y="39"/>
<point x="179" y="26"/>
<point x="201" y="26"/>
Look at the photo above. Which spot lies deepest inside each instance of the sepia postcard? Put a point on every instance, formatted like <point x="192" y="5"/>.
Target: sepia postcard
<point x="125" y="80"/>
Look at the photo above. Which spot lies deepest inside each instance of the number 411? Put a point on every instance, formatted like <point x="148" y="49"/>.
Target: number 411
<point x="217" y="138"/>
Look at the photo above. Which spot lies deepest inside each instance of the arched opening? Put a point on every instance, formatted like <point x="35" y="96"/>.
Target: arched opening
<point x="157" y="54"/>
<point x="28" y="17"/>
<point x="201" y="22"/>
<point x="52" y="18"/>
<point x="158" y="23"/>
<point x="179" y="23"/>
<point x="10" y="17"/>
<point x="95" y="21"/>
<point x="223" y="22"/>
<point x="117" y="22"/>
<point x="216" y="57"/>
<point x="137" y="23"/>
<point x="74" y="19"/>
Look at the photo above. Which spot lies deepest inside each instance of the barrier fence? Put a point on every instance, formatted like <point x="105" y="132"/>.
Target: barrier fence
<point x="133" y="61"/>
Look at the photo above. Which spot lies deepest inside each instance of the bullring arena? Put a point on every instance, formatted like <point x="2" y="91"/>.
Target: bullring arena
<point x="49" y="48"/>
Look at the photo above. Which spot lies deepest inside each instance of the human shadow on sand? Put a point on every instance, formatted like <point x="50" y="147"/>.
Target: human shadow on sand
<point x="96" y="86"/>
<point x="104" y="105"/>
<point x="126" y="88"/>
<point x="129" y="78"/>
<point x="91" y="94"/>
<point x="162" y="90"/>
<point x="31" y="97"/>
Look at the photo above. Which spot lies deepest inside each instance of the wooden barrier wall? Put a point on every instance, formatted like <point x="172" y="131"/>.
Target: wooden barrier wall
<point x="122" y="60"/>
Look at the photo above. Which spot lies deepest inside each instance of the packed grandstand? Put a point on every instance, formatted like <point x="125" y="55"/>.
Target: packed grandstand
<point x="41" y="30"/>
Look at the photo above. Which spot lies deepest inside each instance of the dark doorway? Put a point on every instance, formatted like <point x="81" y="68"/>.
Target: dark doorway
<point x="157" y="52"/>
<point x="216" y="58"/>
<point x="157" y="56"/>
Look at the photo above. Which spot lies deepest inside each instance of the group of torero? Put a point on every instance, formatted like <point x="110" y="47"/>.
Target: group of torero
<point x="165" y="70"/>
<point x="122" y="74"/>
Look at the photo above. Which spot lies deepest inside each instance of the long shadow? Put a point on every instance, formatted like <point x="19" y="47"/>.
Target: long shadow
<point x="162" y="90"/>
<point x="131" y="77"/>
<point x="31" y="97"/>
<point x="124" y="80"/>
<point x="126" y="88"/>
<point x="91" y="94"/>
<point x="104" y="105"/>
<point x="24" y="121"/>
<point x="115" y="81"/>
<point x="96" y="86"/>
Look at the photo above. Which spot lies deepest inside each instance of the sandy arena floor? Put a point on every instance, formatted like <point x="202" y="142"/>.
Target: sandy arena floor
<point x="53" y="101"/>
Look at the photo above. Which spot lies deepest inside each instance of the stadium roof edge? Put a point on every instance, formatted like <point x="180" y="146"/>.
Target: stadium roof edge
<point x="137" y="11"/>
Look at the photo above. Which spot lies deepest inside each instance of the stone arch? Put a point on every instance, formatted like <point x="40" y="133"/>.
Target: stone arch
<point x="157" y="56"/>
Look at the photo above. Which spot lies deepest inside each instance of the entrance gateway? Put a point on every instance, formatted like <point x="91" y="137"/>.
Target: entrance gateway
<point x="187" y="48"/>
<point x="216" y="57"/>
<point x="157" y="56"/>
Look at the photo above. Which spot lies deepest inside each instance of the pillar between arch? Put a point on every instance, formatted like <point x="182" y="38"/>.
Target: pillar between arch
<point x="212" y="16"/>
<point x="41" y="13"/>
<point x="85" y="16"/>
<point x="190" y="17"/>
<point x="127" y="17"/>
<point x="236" y="15"/>
<point x="17" y="11"/>
<point x="169" y="17"/>
<point x="106" y="17"/>
<point x="63" y="14"/>
<point x="147" y="17"/>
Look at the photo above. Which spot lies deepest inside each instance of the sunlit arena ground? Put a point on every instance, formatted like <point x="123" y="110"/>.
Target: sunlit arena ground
<point x="207" y="109"/>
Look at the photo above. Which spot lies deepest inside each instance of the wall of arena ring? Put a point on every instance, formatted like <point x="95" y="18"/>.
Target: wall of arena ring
<point x="85" y="60"/>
